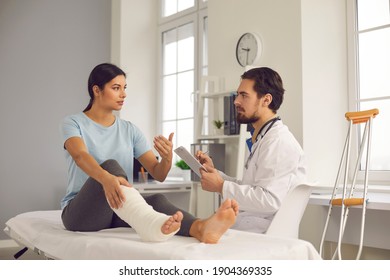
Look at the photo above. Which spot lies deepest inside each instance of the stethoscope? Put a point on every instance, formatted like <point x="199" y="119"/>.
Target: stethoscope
<point x="267" y="125"/>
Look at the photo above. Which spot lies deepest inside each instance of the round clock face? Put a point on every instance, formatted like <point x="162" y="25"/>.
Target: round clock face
<point x="248" y="49"/>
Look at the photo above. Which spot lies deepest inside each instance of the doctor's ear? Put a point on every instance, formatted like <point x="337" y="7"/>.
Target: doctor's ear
<point x="267" y="99"/>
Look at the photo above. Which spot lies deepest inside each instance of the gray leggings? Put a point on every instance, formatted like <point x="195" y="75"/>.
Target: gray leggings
<point x="89" y="210"/>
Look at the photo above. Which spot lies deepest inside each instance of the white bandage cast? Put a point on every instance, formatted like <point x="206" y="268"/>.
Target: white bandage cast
<point x="141" y="216"/>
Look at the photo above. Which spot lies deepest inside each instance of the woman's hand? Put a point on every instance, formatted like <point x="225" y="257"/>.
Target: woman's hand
<point x="111" y="186"/>
<point x="159" y="169"/>
<point x="164" y="146"/>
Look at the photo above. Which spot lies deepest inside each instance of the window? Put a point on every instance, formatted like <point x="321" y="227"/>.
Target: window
<point x="369" y="43"/>
<point x="171" y="7"/>
<point x="183" y="58"/>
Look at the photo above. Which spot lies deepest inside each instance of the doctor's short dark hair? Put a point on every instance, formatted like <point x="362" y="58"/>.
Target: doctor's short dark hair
<point x="267" y="81"/>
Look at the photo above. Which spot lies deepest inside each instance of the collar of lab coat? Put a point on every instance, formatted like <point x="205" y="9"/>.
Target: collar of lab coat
<point x="267" y="126"/>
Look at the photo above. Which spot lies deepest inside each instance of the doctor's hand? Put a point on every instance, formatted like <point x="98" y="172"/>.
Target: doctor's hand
<point x="111" y="186"/>
<point x="211" y="180"/>
<point x="164" y="146"/>
<point x="204" y="159"/>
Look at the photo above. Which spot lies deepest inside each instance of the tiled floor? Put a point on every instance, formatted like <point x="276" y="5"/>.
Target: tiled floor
<point x="8" y="253"/>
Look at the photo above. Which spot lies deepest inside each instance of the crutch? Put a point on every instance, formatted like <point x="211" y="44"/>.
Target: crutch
<point x="348" y="200"/>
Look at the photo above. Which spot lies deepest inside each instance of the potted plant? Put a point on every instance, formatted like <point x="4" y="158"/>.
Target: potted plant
<point x="182" y="165"/>
<point x="218" y="127"/>
<point x="186" y="170"/>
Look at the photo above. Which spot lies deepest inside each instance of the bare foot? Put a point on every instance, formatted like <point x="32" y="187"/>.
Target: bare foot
<point x="211" y="229"/>
<point x="173" y="223"/>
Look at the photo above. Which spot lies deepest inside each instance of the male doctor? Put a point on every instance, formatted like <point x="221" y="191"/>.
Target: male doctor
<point x="274" y="159"/>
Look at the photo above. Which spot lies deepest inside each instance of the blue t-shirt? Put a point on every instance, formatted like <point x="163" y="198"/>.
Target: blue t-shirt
<point x="122" y="141"/>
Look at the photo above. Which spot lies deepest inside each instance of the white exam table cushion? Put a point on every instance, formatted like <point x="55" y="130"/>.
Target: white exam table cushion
<point x="43" y="231"/>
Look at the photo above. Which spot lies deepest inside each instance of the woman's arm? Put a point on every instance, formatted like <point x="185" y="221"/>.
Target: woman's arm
<point x="159" y="170"/>
<point x="77" y="149"/>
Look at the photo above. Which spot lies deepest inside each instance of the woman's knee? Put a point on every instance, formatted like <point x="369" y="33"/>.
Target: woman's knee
<point x="114" y="168"/>
<point x="110" y="164"/>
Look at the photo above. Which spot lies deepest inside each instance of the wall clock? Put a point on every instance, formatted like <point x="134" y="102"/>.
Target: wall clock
<point x="249" y="48"/>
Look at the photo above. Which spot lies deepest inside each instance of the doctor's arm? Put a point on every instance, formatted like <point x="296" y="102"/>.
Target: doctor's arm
<point x="268" y="180"/>
<point x="250" y="197"/>
<point x="253" y="198"/>
<point x="213" y="179"/>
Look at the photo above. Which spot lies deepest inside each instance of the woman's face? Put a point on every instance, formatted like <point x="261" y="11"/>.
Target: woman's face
<point x="112" y="96"/>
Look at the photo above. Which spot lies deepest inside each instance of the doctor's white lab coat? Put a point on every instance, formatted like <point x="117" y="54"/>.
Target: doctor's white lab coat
<point x="276" y="165"/>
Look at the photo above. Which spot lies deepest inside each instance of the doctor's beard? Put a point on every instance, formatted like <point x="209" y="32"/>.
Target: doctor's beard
<point x="242" y="119"/>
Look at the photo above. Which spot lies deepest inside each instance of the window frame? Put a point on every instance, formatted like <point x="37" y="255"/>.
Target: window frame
<point x="375" y="177"/>
<point x="202" y="13"/>
<point x="189" y="11"/>
<point x="194" y="15"/>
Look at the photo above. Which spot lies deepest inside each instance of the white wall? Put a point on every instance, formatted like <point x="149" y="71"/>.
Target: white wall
<point x="325" y="87"/>
<point x="47" y="50"/>
<point x="134" y="49"/>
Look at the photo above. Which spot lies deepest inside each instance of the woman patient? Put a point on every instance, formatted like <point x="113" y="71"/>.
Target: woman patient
<point x="99" y="149"/>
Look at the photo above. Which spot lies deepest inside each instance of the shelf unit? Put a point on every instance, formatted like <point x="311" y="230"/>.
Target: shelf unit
<point x="212" y="89"/>
<point x="217" y="137"/>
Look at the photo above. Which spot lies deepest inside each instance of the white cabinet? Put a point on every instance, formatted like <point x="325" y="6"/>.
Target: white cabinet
<point x="179" y="193"/>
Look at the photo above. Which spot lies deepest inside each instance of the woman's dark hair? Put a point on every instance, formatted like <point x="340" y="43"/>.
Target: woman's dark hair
<point x="100" y="75"/>
<point x="267" y="81"/>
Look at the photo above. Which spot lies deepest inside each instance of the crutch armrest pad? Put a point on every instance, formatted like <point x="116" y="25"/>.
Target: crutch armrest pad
<point x="361" y="116"/>
<point x="348" y="201"/>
